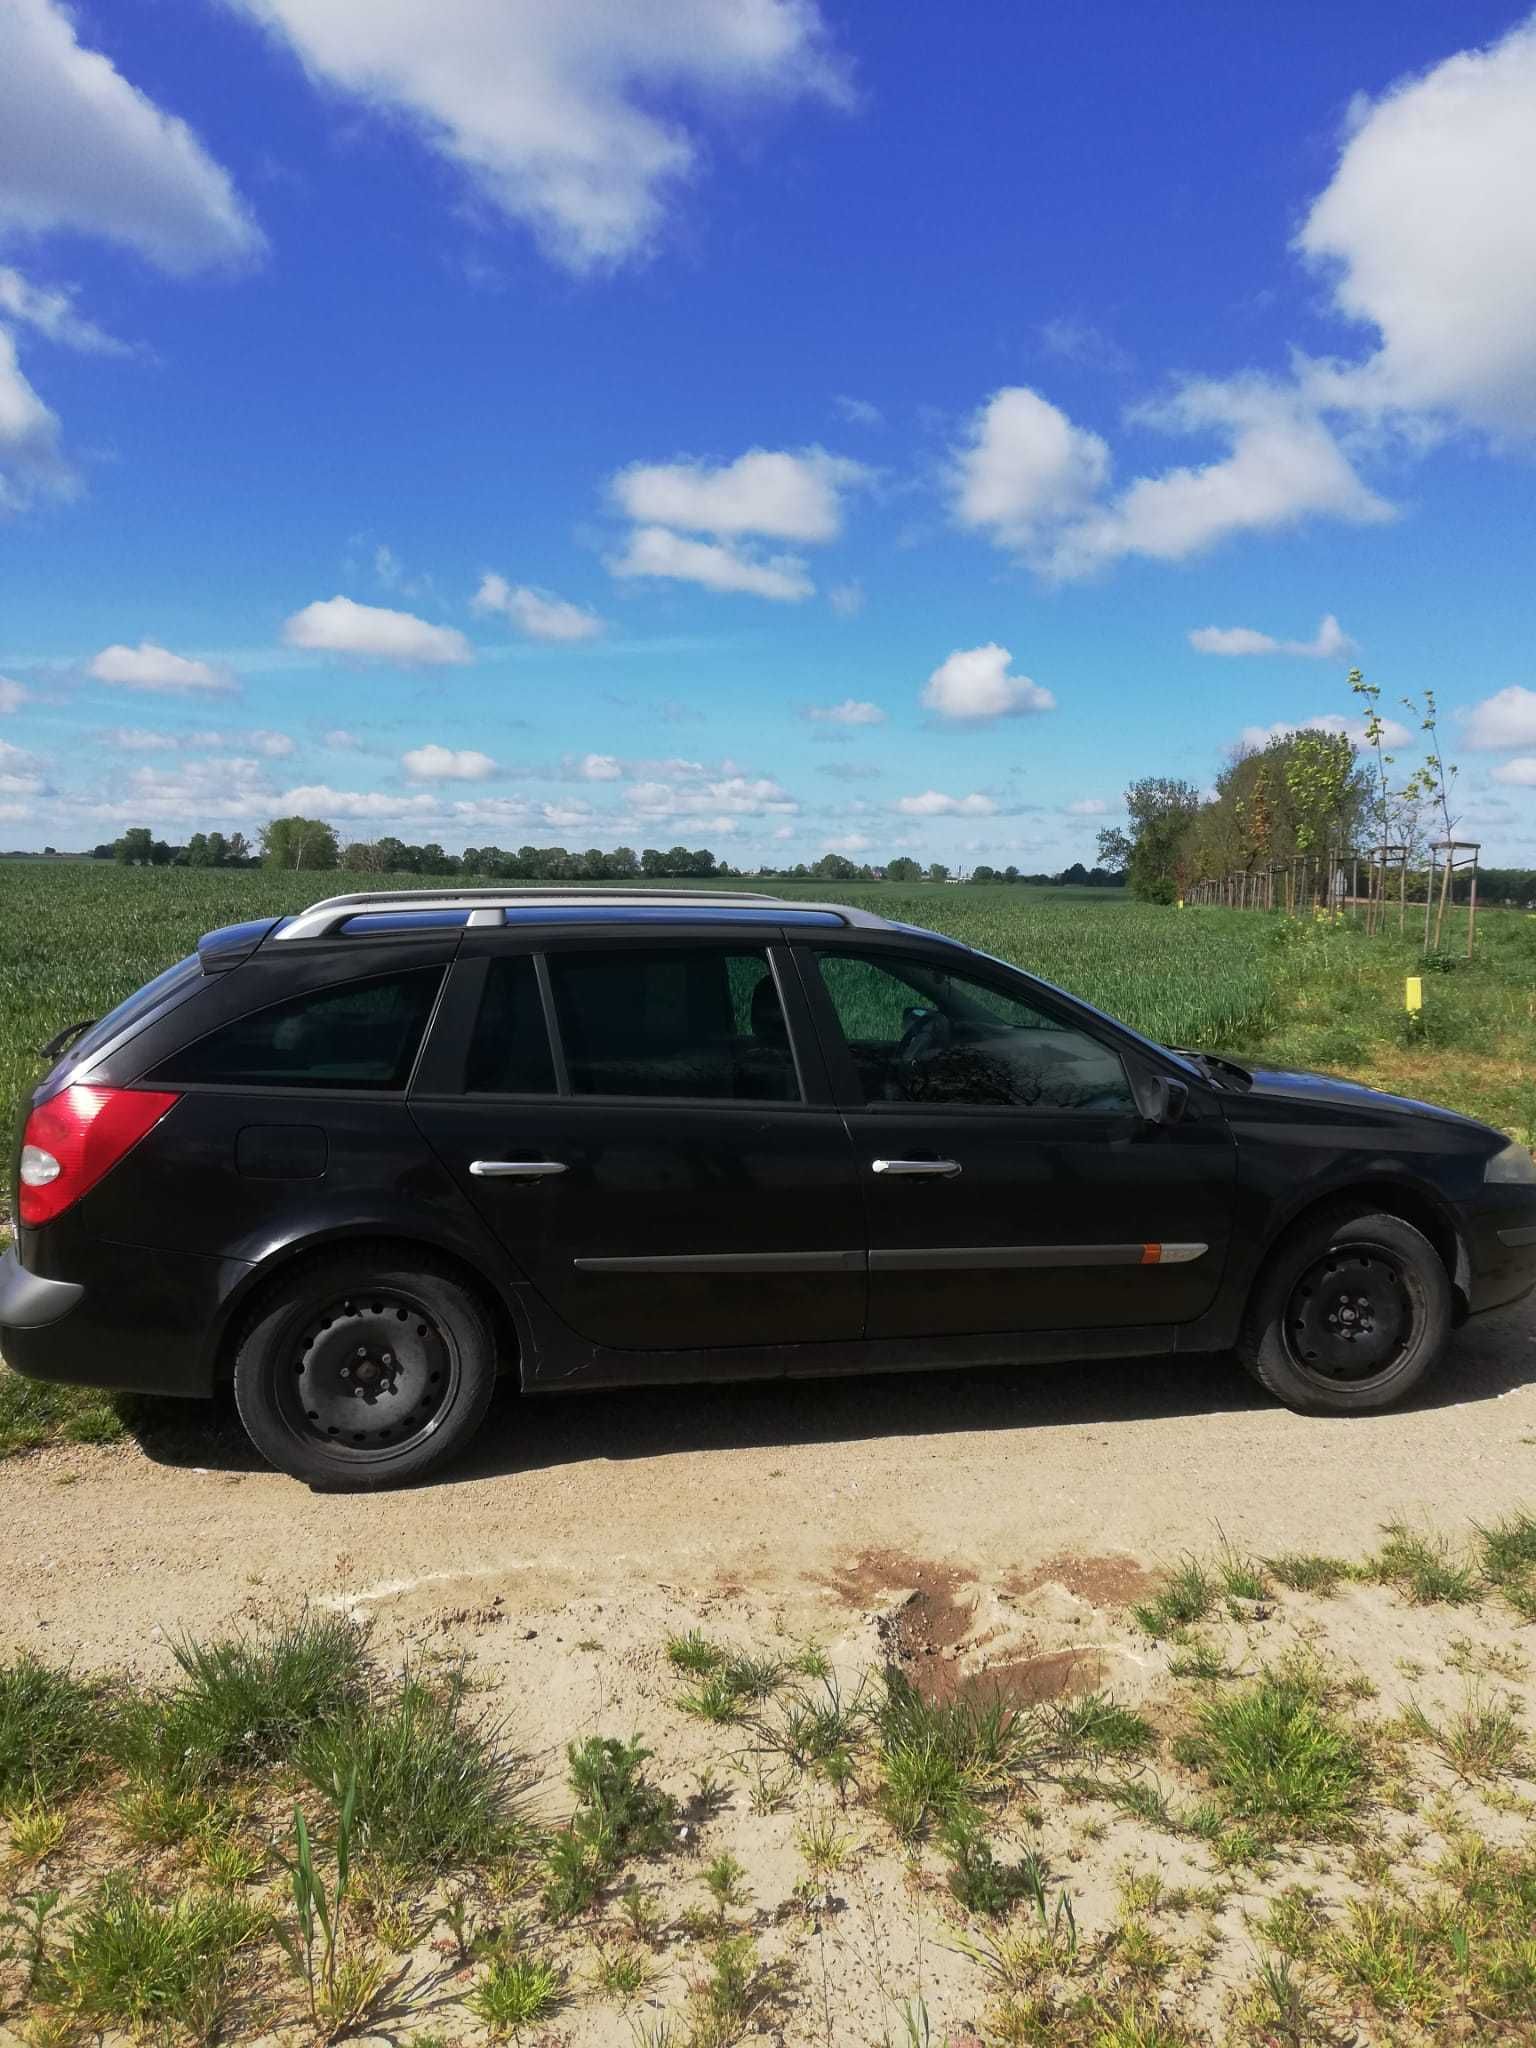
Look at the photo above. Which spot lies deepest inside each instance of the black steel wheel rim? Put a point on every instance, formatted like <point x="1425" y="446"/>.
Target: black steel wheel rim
<point x="1353" y="1315"/>
<point x="368" y="1374"/>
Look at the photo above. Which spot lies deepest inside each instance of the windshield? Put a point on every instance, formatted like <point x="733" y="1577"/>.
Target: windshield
<point x="1167" y="1052"/>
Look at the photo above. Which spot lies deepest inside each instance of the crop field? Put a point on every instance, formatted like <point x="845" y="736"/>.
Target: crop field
<point x="77" y="938"/>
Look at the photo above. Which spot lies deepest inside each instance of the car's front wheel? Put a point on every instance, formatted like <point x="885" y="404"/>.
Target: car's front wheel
<point x="357" y="1371"/>
<point x="1352" y="1311"/>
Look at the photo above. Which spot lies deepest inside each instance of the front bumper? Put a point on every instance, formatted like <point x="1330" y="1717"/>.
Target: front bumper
<point x="1502" y="1248"/>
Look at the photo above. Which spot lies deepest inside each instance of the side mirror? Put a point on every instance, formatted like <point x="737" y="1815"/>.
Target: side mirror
<point x="1165" y="1100"/>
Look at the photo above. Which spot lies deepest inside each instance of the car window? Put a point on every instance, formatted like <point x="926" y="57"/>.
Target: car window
<point x="509" y="1053"/>
<point x="698" y="1021"/>
<point x="358" y="1034"/>
<point x="923" y="1034"/>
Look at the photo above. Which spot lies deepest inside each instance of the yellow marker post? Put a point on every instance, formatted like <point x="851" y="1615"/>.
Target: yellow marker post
<point x="1413" y="994"/>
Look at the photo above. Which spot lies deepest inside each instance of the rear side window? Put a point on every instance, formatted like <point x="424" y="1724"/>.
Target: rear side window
<point x="703" y="1022"/>
<point x="360" y="1034"/>
<point x="509" y="1053"/>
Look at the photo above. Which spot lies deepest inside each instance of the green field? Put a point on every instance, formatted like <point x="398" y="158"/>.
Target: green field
<point x="76" y="937"/>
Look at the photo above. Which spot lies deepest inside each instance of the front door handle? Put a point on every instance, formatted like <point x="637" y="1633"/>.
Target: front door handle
<point x="946" y="1169"/>
<point x="515" y="1169"/>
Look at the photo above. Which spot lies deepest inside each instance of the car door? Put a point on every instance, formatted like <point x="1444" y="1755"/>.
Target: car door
<point x="1011" y="1178"/>
<point x="646" y="1125"/>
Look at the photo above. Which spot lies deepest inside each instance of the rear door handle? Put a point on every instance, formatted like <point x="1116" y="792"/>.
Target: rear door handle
<point x="946" y="1169"/>
<point x="515" y="1169"/>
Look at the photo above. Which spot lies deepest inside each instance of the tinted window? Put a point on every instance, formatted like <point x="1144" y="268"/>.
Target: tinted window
<point x="509" y="1053"/>
<point x="689" y="1022"/>
<point x="922" y="1034"/>
<point x="362" y="1034"/>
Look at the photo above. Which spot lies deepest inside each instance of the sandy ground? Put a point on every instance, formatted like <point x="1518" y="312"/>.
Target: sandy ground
<point x="766" y="1491"/>
<point x="993" y="1524"/>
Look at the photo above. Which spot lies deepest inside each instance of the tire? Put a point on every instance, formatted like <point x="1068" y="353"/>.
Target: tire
<point x="359" y="1371"/>
<point x="1351" y="1310"/>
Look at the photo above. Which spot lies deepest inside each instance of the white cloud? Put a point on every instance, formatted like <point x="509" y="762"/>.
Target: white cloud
<point x="339" y="740"/>
<point x="859" y="412"/>
<point x="141" y="739"/>
<point x="155" y="668"/>
<point x="852" y="711"/>
<point x="552" y="113"/>
<point x="52" y="315"/>
<point x="318" y="799"/>
<point x="729" y="796"/>
<point x="851" y="771"/>
<point x="1039" y="485"/>
<point x="933" y="803"/>
<point x="1506" y="719"/>
<point x="1024" y="470"/>
<point x="338" y="626"/>
<point x="1282" y="466"/>
<point x="30" y="461"/>
<point x="566" y="815"/>
<point x="539" y="613"/>
<point x="767" y="492"/>
<point x="12" y="695"/>
<point x="595" y="768"/>
<point x="654" y="551"/>
<point x="1428" y="233"/>
<point x="1521" y="772"/>
<point x="1253" y="737"/>
<point x="847" y="842"/>
<point x="82" y="149"/>
<point x="1087" y="807"/>
<point x="1330" y="642"/>
<point x="974" y="684"/>
<point x="19" y="771"/>
<point x="846" y="599"/>
<point x="447" y="764"/>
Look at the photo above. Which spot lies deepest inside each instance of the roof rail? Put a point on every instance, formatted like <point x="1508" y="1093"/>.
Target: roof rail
<point x="485" y="906"/>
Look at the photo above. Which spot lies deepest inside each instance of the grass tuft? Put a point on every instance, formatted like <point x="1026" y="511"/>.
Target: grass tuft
<point x="1279" y="1756"/>
<point x="1302" y="1571"/>
<point x="1424" y="1567"/>
<point x="51" y="1728"/>
<point x="1188" y="1596"/>
<point x="436" y="1789"/>
<point x="146" y="1968"/>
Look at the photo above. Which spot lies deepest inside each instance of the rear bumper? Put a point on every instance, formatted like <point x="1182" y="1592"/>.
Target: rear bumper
<point x="138" y="1321"/>
<point x="28" y="1301"/>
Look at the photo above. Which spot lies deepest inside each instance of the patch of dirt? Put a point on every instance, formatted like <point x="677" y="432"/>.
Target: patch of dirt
<point x="1112" y="1581"/>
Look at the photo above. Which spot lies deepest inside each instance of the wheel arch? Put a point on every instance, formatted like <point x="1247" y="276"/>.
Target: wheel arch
<point x="498" y="1302"/>
<point x="1410" y="1201"/>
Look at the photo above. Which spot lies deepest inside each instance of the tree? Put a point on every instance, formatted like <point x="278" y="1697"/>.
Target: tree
<point x="136" y="848"/>
<point x="903" y="869"/>
<point x="1115" y="850"/>
<point x="937" y="872"/>
<point x="298" y="842"/>
<point x="1161" y="811"/>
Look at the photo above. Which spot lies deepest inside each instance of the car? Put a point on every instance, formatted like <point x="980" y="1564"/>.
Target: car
<point x="358" y="1162"/>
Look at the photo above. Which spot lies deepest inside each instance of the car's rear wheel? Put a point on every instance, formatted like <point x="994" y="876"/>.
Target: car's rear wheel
<point x="359" y="1371"/>
<point x="1352" y="1311"/>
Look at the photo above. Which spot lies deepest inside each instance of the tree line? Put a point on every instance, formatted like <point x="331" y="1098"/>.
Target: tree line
<point x="312" y="844"/>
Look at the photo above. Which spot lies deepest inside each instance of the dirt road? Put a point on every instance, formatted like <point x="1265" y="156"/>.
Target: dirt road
<point x="768" y="1496"/>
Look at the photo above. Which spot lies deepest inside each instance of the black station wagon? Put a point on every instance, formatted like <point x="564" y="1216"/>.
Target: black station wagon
<point x="359" y="1161"/>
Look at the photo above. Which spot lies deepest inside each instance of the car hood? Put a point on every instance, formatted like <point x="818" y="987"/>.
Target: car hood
<point x="1327" y="1091"/>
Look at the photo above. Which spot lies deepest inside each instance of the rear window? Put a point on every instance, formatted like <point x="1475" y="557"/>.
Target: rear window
<point x="360" y="1034"/>
<point x="164" y="991"/>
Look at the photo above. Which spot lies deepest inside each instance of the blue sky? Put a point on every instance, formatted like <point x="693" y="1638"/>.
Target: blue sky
<point x="752" y="423"/>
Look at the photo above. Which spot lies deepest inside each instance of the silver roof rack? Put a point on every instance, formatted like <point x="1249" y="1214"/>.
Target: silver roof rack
<point x="487" y="907"/>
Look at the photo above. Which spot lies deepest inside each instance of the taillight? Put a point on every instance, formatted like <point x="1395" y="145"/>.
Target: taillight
<point x="75" y="1137"/>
